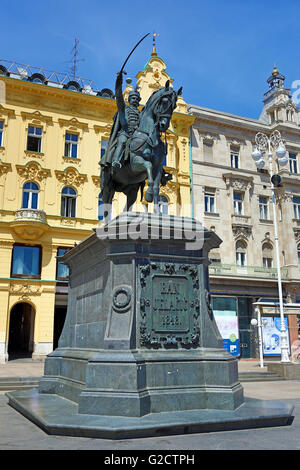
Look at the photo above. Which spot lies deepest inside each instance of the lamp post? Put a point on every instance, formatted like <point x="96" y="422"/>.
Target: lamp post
<point x="276" y="150"/>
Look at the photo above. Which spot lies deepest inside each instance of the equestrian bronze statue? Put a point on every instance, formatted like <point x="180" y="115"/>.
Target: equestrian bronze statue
<point x="135" y="151"/>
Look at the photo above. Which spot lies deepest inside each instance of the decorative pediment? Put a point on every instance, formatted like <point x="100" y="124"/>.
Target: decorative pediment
<point x="237" y="183"/>
<point x="73" y="123"/>
<point x="6" y="111"/>
<point x="104" y="130"/>
<point x="71" y="177"/>
<point x="32" y="171"/>
<point x="36" y="117"/>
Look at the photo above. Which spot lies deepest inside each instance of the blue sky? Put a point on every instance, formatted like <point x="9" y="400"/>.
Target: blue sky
<point x="221" y="52"/>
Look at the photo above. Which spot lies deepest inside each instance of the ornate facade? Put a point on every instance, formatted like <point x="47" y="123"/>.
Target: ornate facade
<point x="233" y="198"/>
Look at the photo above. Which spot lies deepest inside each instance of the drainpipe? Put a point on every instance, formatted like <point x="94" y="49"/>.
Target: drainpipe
<point x="191" y="173"/>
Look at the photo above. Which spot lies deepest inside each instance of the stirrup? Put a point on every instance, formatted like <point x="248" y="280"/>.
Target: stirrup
<point x="116" y="164"/>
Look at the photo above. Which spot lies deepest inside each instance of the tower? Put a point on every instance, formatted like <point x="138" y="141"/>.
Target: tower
<point x="278" y="103"/>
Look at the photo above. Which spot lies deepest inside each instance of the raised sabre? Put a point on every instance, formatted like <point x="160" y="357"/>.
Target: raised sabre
<point x="122" y="69"/>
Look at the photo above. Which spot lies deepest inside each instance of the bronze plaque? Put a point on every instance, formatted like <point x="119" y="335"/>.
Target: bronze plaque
<point x="169" y="305"/>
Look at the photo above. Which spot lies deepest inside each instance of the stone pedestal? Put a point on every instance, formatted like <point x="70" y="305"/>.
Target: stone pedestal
<point x="140" y="346"/>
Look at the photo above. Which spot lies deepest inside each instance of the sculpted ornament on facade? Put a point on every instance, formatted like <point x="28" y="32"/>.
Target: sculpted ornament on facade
<point x="33" y="171"/>
<point x="70" y="176"/>
<point x="4" y="168"/>
<point x="25" y="291"/>
<point x="283" y="196"/>
<point x="241" y="232"/>
<point x="297" y="235"/>
<point x="237" y="183"/>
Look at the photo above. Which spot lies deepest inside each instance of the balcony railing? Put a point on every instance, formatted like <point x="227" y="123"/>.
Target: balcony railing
<point x="30" y="214"/>
<point x="218" y="269"/>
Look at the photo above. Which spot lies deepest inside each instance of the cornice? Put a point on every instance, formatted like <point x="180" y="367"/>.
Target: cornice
<point x="23" y="88"/>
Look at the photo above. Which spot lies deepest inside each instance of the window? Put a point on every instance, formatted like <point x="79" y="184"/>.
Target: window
<point x="26" y="261"/>
<point x="62" y="271"/>
<point x="263" y="208"/>
<point x="241" y="249"/>
<point x="267" y="255"/>
<point x="71" y="145"/>
<point x="234" y="158"/>
<point x="293" y="163"/>
<point x="209" y="201"/>
<point x="296" y="204"/>
<point x="30" y="196"/>
<point x="104" y="143"/>
<point x="298" y="251"/>
<point x="238" y="203"/>
<point x="100" y="208"/>
<point x="68" y="202"/>
<point x="1" y="132"/>
<point x="34" y="139"/>
<point x="163" y="204"/>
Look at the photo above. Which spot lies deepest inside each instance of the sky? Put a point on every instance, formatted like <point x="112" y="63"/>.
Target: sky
<point x="221" y="52"/>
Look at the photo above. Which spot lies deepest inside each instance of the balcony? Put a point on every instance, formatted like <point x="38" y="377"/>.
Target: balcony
<point x="233" y="270"/>
<point x="29" y="224"/>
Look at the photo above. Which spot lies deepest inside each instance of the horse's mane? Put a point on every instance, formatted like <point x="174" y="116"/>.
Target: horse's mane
<point x="155" y="97"/>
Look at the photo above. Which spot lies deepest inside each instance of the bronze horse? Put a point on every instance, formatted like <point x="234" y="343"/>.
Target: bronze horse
<point x="145" y="154"/>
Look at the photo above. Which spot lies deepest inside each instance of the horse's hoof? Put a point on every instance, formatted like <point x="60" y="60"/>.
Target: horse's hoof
<point x="149" y="196"/>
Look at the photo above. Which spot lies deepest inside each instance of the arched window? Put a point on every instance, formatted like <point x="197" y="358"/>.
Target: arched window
<point x="100" y="208"/>
<point x="68" y="202"/>
<point x="241" y="251"/>
<point x="30" y="196"/>
<point x="163" y="204"/>
<point x="267" y="255"/>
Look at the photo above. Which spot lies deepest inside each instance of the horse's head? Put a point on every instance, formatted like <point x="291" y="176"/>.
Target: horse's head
<point x="165" y="100"/>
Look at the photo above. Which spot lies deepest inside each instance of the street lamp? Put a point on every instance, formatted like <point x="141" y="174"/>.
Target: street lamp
<point x="276" y="149"/>
<point x="259" y="323"/>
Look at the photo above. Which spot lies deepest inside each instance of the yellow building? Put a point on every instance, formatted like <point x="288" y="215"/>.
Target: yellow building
<point x="52" y="132"/>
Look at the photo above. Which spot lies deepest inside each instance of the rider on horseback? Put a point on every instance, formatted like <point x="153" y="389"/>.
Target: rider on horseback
<point x="126" y="121"/>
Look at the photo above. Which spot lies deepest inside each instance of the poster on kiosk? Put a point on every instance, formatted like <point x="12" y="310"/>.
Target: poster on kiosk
<point x="227" y="322"/>
<point x="271" y="335"/>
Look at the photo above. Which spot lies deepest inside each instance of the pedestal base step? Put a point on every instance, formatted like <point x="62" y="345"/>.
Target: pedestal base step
<point x="59" y="416"/>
